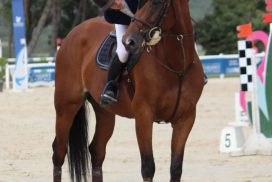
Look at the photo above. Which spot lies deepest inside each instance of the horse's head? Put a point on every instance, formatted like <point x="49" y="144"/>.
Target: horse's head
<point x="145" y="24"/>
<point x="153" y="18"/>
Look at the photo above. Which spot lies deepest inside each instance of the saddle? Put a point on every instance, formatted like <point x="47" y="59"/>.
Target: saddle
<point x="107" y="50"/>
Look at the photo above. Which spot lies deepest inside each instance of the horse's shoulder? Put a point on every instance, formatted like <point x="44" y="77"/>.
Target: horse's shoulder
<point x="97" y="22"/>
<point x="90" y="26"/>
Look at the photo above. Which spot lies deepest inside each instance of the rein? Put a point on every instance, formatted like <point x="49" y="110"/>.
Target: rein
<point x="149" y="35"/>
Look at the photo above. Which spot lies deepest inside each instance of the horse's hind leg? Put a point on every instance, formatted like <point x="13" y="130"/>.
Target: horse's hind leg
<point x="105" y="122"/>
<point x="65" y="113"/>
<point x="181" y="130"/>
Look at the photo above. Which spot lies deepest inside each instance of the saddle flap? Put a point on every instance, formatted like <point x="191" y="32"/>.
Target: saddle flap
<point x="108" y="49"/>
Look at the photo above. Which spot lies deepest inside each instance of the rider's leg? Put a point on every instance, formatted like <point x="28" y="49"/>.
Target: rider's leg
<point x="121" y="50"/>
<point x="118" y="62"/>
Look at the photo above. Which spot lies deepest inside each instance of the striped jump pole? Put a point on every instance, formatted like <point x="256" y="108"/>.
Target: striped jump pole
<point x="257" y="143"/>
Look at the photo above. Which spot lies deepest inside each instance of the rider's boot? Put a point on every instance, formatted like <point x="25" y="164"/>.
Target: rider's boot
<point x="110" y="92"/>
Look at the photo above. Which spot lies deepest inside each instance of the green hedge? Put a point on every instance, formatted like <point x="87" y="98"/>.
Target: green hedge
<point x="3" y="62"/>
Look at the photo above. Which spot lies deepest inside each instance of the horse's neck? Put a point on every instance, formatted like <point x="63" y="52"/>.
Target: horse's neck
<point x="183" y="17"/>
<point x="185" y="27"/>
<point x="171" y="53"/>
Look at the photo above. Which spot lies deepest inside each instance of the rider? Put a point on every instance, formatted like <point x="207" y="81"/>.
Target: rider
<point x="118" y="12"/>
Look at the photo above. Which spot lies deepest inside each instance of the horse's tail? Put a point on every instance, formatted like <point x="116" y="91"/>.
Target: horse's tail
<point x="77" y="153"/>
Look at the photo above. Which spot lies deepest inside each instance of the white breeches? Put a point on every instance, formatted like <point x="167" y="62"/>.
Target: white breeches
<point x="121" y="50"/>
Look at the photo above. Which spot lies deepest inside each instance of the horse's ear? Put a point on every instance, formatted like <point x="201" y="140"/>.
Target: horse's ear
<point x="141" y="3"/>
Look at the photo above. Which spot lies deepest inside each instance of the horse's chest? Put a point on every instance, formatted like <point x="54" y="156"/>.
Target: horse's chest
<point x="173" y="103"/>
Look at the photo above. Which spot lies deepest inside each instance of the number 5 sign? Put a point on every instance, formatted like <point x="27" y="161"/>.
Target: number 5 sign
<point x="231" y="139"/>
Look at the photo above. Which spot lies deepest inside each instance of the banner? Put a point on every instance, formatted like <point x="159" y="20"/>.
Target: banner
<point x="20" y="77"/>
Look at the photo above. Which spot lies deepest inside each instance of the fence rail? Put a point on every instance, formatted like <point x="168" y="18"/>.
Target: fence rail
<point x="34" y="59"/>
<point x="44" y="73"/>
<point x="222" y="65"/>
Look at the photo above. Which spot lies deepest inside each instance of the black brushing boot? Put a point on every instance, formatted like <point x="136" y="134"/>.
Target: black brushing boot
<point x="205" y="79"/>
<point x="110" y="92"/>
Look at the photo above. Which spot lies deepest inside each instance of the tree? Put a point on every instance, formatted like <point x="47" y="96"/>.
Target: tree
<point x="62" y="15"/>
<point x="39" y="28"/>
<point x="6" y="21"/>
<point x="59" y="16"/>
<point x="217" y="31"/>
<point x="55" y="24"/>
<point x="73" y="13"/>
<point x="33" y="11"/>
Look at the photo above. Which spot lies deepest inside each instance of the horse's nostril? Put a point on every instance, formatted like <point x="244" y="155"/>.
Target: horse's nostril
<point x="130" y="42"/>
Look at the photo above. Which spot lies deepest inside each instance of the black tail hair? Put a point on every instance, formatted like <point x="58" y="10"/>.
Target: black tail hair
<point x="78" y="155"/>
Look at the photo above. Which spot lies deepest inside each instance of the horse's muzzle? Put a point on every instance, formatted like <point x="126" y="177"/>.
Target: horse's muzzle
<point x="133" y="43"/>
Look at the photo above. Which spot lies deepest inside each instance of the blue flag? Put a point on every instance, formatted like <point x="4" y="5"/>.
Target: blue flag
<point x="20" y="78"/>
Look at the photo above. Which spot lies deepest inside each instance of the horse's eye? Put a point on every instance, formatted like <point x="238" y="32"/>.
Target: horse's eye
<point x="157" y="2"/>
<point x="141" y="3"/>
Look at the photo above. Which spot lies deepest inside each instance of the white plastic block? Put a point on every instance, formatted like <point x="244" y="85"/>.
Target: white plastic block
<point x="232" y="139"/>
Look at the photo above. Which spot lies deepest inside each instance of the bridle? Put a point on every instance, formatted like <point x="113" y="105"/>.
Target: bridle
<point x="160" y="18"/>
<point x="155" y="28"/>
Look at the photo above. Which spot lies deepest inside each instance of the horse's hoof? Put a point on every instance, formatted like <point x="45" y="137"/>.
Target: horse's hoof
<point x="97" y="174"/>
<point x="57" y="174"/>
<point x="148" y="180"/>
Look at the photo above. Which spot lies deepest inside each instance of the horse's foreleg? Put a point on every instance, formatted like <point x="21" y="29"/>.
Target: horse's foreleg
<point x="104" y="128"/>
<point x="181" y="130"/>
<point x="144" y="125"/>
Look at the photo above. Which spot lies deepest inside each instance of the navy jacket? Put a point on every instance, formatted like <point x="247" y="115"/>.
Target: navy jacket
<point x="117" y="17"/>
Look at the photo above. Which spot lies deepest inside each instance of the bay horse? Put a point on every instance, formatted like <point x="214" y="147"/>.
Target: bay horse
<point x="167" y="83"/>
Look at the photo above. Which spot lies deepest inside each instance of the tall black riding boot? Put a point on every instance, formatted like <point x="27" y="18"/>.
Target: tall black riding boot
<point x="110" y="92"/>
